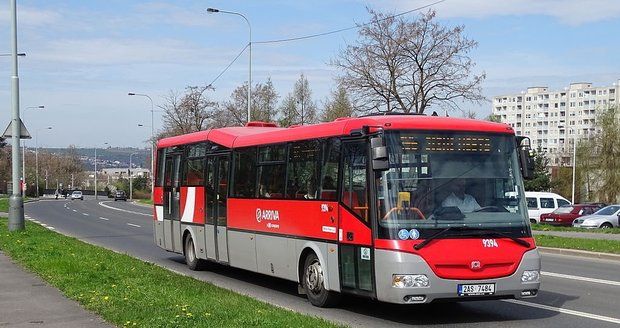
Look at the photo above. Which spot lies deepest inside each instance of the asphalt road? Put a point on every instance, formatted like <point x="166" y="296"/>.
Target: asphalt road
<point x="576" y="291"/>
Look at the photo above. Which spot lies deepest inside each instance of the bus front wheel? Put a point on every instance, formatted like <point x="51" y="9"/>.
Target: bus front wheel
<point x="313" y="281"/>
<point x="193" y="262"/>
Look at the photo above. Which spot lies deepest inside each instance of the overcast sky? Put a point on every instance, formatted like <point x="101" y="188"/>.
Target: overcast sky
<point x="84" y="56"/>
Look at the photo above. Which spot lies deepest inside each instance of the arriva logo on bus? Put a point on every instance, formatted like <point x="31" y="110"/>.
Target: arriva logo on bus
<point x="267" y="215"/>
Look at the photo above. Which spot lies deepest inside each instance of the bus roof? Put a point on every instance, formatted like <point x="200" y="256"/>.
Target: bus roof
<point x="235" y="137"/>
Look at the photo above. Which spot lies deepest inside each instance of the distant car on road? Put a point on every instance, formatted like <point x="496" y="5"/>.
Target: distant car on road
<point x="77" y="195"/>
<point x="565" y="215"/>
<point x="606" y="217"/>
<point x="120" y="195"/>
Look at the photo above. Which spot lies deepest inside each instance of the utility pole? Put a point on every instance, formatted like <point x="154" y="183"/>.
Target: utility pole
<point x="16" y="201"/>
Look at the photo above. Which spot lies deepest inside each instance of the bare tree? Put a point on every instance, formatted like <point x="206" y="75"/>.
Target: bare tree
<point x="190" y="112"/>
<point x="338" y="106"/>
<point x="298" y="107"/>
<point x="405" y="65"/>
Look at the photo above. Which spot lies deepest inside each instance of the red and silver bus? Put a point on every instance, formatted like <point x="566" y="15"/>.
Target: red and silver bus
<point x="399" y="208"/>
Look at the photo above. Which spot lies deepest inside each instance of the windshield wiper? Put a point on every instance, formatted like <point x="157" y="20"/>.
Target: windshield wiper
<point x="469" y="230"/>
<point x="435" y="236"/>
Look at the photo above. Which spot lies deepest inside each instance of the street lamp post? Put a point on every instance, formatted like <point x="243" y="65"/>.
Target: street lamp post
<point x="152" y="137"/>
<point x="16" y="201"/>
<point x="105" y="143"/>
<point x="130" y="177"/>
<point x="36" y="157"/>
<point x="214" y="10"/>
<point x="574" y="164"/>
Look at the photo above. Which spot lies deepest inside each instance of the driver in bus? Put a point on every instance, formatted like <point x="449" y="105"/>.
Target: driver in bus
<point x="458" y="198"/>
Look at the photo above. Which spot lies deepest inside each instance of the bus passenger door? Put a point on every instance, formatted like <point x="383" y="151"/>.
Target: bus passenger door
<point x="217" y="196"/>
<point x="172" y="225"/>
<point x="355" y="234"/>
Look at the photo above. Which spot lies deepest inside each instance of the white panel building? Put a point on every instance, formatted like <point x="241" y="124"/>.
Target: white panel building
<point x="554" y="119"/>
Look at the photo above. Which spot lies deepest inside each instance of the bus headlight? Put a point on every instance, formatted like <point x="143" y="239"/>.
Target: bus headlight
<point x="530" y="276"/>
<point x="410" y="280"/>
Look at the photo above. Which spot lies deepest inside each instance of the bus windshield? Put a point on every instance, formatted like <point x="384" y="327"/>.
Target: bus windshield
<point x="438" y="180"/>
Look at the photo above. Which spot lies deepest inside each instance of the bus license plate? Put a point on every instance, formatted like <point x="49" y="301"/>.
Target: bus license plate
<point x="476" y="289"/>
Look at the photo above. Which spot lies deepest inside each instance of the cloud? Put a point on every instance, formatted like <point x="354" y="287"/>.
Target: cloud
<point x="570" y="12"/>
<point x="113" y="51"/>
<point x="29" y="17"/>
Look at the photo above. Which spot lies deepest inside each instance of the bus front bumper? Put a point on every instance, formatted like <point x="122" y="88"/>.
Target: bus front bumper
<point x="390" y="263"/>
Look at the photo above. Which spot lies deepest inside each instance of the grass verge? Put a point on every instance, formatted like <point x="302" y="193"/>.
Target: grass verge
<point x="593" y="245"/>
<point x="547" y="227"/>
<point x="4" y="204"/>
<point x="144" y="201"/>
<point x="128" y="292"/>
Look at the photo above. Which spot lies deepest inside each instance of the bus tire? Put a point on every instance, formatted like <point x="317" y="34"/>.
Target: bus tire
<point x="193" y="262"/>
<point x="314" y="284"/>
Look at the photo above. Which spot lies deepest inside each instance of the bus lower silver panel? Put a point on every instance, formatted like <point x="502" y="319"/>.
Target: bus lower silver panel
<point x="242" y="248"/>
<point x="176" y="236"/>
<point x="277" y="256"/>
<point x="210" y="241"/>
<point x="388" y="263"/>
<point x="158" y="236"/>
<point x="198" y="236"/>
<point x="222" y="244"/>
<point x="168" y="234"/>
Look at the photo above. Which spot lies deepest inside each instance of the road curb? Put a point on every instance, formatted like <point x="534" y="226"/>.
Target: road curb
<point x="140" y="204"/>
<point x="576" y="252"/>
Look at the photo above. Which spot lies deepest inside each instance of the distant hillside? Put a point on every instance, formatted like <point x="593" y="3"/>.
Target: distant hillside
<point x="107" y="157"/>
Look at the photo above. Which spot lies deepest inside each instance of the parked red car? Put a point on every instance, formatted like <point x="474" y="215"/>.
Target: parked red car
<point x="564" y="216"/>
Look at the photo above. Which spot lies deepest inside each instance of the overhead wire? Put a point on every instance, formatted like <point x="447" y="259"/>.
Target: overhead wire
<point x="230" y="64"/>
<point x="320" y="34"/>
<point x="347" y="28"/>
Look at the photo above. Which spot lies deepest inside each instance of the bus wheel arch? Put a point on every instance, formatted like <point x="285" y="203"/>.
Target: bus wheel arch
<point x="312" y="268"/>
<point x="189" y="252"/>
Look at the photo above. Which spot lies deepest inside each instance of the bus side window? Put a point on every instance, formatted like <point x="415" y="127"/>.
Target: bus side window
<point x="271" y="171"/>
<point x="354" y="186"/>
<point x="329" y="174"/>
<point x="161" y="160"/>
<point x="303" y="170"/>
<point x="244" y="173"/>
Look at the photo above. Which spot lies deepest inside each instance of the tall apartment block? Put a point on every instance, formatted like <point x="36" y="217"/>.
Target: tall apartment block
<point x="553" y="120"/>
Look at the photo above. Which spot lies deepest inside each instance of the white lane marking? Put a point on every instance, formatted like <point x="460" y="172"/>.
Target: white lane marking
<point x="567" y="276"/>
<point x="51" y="228"/>
<point x="566" y="311"/>
<point x="102" y="218"/>
<point x="43" y="224"/>
<point x="27" y="216"/>
<point x="133" y="225"/>
<point x="122" y="210"/>
<point x="74" y="210"/>
<point x="85" y="214"/>
<point x="30" y="219"/>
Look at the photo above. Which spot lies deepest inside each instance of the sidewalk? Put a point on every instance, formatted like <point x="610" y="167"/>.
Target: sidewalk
<point x="27" y="301"/>
<point x="574" y="234"/>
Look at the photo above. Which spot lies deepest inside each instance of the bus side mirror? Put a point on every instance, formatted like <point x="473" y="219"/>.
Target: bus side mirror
<point x="526" y="158"/>
<point x="527" y="163"/>
<point x="379" y="154"/>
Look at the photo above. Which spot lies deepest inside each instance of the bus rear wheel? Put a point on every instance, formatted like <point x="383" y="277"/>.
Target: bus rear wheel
<point x="193" y="262"/>
<point x="313" y="281"/>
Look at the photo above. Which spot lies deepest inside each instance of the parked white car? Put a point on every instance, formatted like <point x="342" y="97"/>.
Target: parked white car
<point x="606" y="217"/>
<point x="542" y="203"/>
